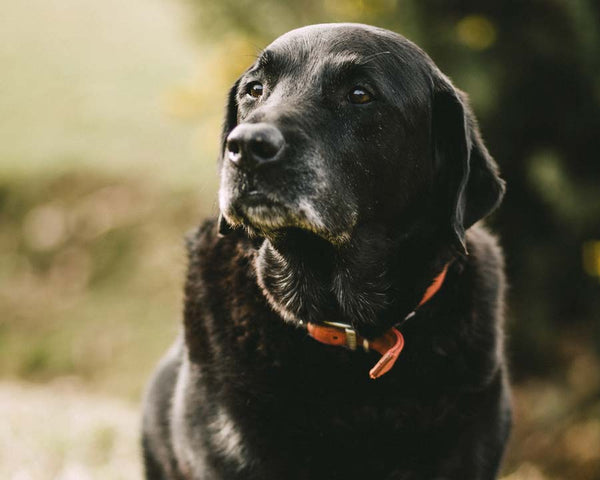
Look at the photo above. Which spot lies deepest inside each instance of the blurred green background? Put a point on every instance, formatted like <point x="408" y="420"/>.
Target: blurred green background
<point x="109" y="122"/>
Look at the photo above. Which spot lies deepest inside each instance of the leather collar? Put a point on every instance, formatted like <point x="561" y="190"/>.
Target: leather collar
<point x="389" y="345"/>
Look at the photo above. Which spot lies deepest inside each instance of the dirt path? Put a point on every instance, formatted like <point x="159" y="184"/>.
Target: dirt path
<point x="60" y="432"/>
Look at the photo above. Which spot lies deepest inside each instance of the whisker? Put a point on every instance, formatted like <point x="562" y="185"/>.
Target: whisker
<point x="373" y="56"/>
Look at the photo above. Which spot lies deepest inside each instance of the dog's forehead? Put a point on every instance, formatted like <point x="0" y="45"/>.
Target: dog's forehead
<point x="341" y="43"/>
<point x="336" y="38"/>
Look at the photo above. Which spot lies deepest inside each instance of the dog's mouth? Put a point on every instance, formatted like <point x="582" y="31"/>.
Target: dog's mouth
<point x="267" y="215"/>
<point x="279" y="201"/>
<point x="260" y="211"/>
<point x="256" y="198"/>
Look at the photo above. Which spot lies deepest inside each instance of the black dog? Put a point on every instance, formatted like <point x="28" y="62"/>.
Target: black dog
<point x="351" y="171"/>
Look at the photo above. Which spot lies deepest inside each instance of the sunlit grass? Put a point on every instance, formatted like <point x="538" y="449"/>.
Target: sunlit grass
<point x="98" y="294"/>
<point x="60" y="432"/>
<point x="84" y="84"/>
<point x="98" y="184"/>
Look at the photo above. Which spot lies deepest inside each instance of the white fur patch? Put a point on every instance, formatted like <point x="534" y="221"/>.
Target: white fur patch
<point x="282" y="278"/>
<point x="223" y="435"/>
<point x="190" y="462"/>
<point x="313" y="217"/>
<point x="226" y="438"/>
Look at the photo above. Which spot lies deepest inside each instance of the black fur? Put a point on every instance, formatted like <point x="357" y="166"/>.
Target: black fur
<point x="350" y="221"/>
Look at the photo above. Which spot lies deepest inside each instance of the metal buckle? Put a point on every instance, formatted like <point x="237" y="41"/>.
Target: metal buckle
<point x="338" y="324"/>
<point x="350" y="338"/>
<point x="351" y="335"/>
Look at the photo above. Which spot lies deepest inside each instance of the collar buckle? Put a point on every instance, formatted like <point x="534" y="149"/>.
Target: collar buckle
<point x="352" y="337"/>
<point x="389" y="345"/>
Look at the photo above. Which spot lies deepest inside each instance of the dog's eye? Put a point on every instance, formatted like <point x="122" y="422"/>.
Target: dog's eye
<point x="255" y="90"/>
<point x="359" y="95"/>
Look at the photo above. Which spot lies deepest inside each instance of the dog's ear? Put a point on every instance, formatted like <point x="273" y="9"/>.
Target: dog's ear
<point x="229" y="123"/>
<point x="467" y="176"/>
<point x="231" y="117"/>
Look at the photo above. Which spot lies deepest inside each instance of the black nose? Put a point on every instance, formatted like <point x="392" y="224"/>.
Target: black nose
<point x="251" y="145"/>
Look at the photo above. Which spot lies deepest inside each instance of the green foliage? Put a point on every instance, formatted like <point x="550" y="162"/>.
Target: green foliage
<point x="91" y="268"/>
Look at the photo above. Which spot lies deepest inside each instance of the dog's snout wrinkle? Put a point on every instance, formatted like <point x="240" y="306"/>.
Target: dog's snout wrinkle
<point x="252" y="145"/>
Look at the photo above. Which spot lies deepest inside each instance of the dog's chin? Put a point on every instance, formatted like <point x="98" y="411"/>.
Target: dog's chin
<point x="273" y="221"/>
<point x="263" y="216"/>
<point x="268" y="220"/>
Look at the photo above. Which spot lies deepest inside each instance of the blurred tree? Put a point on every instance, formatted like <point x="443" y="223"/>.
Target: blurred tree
<point x="532" y="69"/>
<point x="543" y="127"/>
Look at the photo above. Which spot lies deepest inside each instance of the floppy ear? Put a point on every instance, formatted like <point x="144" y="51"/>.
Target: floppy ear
<point x="467" y="176"/>
<point x="231" y="117"/>
<point x="229" y="123"/>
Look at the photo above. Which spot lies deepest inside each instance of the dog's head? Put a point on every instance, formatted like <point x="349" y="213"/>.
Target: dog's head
<point x="341" y="124"/>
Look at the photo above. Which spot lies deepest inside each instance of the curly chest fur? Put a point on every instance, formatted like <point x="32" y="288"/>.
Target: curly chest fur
<point x="280" y="387"/>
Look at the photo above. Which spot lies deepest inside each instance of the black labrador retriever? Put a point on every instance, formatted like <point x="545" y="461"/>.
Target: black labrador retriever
<point x="343" y="318"/>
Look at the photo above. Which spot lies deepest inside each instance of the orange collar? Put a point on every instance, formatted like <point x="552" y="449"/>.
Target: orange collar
<point x="389" y="345"/>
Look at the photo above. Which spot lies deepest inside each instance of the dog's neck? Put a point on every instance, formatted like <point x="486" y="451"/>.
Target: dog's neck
<point x="372" y="282"/>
